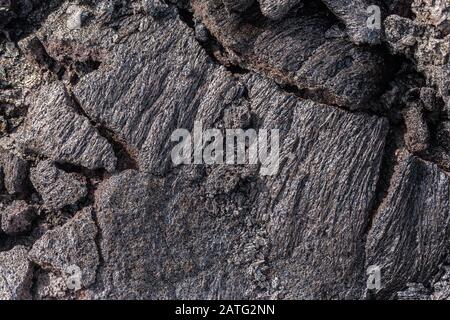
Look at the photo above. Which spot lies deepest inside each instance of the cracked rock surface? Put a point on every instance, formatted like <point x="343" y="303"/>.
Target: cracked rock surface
<point x="93" y="207"/>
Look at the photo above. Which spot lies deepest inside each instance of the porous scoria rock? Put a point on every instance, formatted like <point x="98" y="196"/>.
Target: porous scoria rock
<point x="426" y="46"/>
<point x="442" y="286"/>
<point x="295" y="52"/>
<point x="16" y="274"/>
<point x="55" y="130"/>
<point x="71" y="245"/>
<point x="433" y="12"/>
<point x="17" y="218"/>
<point x="56" y="187"/>
<point x="410" y="234"/>
<point x="15" y="170"/>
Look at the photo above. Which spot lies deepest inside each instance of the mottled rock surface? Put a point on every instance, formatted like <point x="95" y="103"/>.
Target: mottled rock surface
<point x="410" y="231"/>
<point x="15" y="171"/>
<point x="15" y="274"/>
<point x="93" y="205"/>
<point x="17" y="218"/>
<point x="69" y="246"/>
<point x="295" y="52"/>
<point x="56" y="187"/>
<point x="55" y="130"/>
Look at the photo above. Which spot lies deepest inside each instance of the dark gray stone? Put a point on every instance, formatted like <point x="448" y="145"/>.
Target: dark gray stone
<point x="71" y="245"/>
<point x="56" y="187"/>
<point x="53" y="129"/>
<point x="17" y="218"/>
<point x="16" y="274"/>
<point x="277" y="9"/>
<point x="410" y="233"/>
<point x="15" y="170"/>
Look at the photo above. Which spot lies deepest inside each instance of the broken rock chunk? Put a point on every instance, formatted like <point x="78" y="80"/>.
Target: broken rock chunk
<point x="53" y="129"/>
<point x="277" y="9"/>
<point x="17" y="218"/>
<point x="360" y="17"/>
<point x="417" y="136"/>
<point x="15" y="170"/>
<point x="237" y="5"/>
<point x="295" y="52"/>
<point x="414" y="291"/>
<point x="70" y="249"/>
<point x="319" y="203"/>
<point x="410" y="233"/>
<point x="57" y="188"/>
<point x="15" y="274"/>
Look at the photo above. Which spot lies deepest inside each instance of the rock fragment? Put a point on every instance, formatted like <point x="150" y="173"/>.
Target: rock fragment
<point x="15" y="170"/>
<point x="68" y="247"/>
<point x="422" y="44"/>
<point x="277" y="9"/>
<point x="142" y="118"/>
<point x="57" y="188"/>
<point x="414" y="291"/>
<point x="318" y="193"/>
<point x="294" y="52"/>
<point x="442" y="286"/>
<point x="234" y="6"/>
<point x="53" y="129"/>
<point x="16" y="274"/>
<point x="17" y="218"/>
<point x="417" y="136"/>
<point x="433" y="12"/>
<point x="410" y="233"/>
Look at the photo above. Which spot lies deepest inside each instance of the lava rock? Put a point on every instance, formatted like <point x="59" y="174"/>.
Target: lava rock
<point x="16" y="274"/>
<point x="57" y="188"/>
<point x="15" y="171"/>
<point x="418" y="200"/>
<point x="53" y="129"/>
<point x="68" y="247"/>
<point x="277" y="9"/>
<point x="17" y="218"/>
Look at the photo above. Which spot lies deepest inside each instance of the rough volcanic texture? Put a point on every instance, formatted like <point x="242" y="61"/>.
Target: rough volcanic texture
<point x="410" y="229"/>
<point x="56" y="187"/>
<point x="17" y="218"/>
<point x="16" y="274"/>
<point x="295" y="52"/>
<point x="93" y="207"/>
